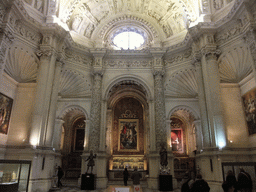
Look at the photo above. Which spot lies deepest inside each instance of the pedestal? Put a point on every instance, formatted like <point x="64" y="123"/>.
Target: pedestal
<point x="88" y="182"/>
<point x="165" y="183"/>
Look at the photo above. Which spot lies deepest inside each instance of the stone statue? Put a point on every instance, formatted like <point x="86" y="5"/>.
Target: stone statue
<point x="163" y="155"/>
<point x="90" y="160"/>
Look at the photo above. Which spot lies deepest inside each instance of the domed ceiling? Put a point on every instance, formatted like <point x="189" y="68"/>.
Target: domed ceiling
<point x="102" y="19"/>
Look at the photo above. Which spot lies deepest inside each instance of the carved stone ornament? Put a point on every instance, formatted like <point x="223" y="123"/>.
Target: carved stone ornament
<point x="229" y="33"/>
<point x="78" y="58"/>
<point x="127" y="63"/>
<point x="27" y="33"/>
<point x="46" y="53"/>
<point x="184" y="56"/>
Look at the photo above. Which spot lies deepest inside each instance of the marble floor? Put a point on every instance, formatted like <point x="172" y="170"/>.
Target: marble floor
<point x="72" y="186"/>
<point x="115" y="188"/>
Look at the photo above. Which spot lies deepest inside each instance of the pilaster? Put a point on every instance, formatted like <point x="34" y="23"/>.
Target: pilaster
<point x="206" y="53"/>
<point x="57" y="133"/>
<point x="53" y="104"/>
<point x="205" y="137"/>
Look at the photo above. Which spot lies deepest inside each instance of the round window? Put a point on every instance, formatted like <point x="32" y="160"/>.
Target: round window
<point x="128" y="40"/>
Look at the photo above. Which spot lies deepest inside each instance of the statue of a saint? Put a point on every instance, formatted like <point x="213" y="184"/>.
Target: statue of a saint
<point x="163" y="155"/>
<point x="90" y="160"/>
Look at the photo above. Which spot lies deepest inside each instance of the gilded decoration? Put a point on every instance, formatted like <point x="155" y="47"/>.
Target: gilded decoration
<point x="120" y="162"/>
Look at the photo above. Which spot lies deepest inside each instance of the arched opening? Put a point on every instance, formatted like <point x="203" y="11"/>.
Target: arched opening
<point x="184" y="144"/>
<point x="72" y="143"/>
<point x="127" y="129"/>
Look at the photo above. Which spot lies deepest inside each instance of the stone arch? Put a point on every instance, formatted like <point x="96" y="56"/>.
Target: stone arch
<point x="131" y="78"/>
<point x="69" y="108"/>
<point x="188" y="109"/>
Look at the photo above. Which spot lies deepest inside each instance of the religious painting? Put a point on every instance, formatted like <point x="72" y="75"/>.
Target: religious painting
<point x="177" y="140"/>
<point x="128" y="135"/>
<point x="5" y="113"/>
<point x="249" y="100"/>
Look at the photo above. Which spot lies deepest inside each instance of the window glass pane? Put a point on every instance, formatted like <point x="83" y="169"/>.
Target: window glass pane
<point x="129" y="40"/>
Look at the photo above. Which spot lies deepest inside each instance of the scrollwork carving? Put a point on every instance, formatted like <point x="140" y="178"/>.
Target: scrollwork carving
<point x="127" y="63"/>
<point x="179" y="58"/>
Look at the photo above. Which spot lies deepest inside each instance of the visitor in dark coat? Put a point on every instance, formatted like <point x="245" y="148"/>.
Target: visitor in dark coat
<point x="60" y="175"/>
<point x="126" y="176"/>
<point x="136" y="177"/>
<point x="200" y="185"/>
<point x="230" y="185"/>
<point x="244" y="181"/>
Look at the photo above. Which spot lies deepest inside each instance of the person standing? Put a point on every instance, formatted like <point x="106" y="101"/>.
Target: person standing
<point x="200" y="185"/>
<point x="230" y="185"/>
<point x="60" y="175"/>
<point x="126" y="176"/>
<point x="244" y="181"/>
<point x="136" y="177"/>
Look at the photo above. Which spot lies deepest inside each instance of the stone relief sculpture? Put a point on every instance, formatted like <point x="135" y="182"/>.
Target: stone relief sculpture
<point x="39" y="5"/>
<point x="89" y="30"/>
<point x="218" y="4"/>
<point x="76" y="23"/>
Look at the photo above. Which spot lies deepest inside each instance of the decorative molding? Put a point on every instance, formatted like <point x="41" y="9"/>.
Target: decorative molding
<point x="229" y="33"/>
<point x="128" y="63"/>
<point x="181" y="57"/>
<point x="78" y="58"/>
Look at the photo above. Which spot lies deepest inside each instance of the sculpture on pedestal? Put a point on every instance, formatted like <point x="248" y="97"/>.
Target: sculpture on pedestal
<point x="163" y="159"/>
<point x="90" y="160"/>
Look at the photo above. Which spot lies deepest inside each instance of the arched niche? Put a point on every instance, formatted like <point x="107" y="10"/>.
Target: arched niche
<point x="183" y="139"/>
<point x="127" y="103"/>
<point x="74" y="135"/>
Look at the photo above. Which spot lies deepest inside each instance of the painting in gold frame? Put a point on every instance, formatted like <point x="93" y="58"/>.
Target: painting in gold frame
<point x="128" y="135"/>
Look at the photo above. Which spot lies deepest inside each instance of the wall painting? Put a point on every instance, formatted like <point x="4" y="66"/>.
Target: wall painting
<point x="5" y="113"/>
<point x="249" y="101"/>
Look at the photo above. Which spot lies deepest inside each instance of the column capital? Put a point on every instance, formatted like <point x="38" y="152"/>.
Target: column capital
<point x="158" y="71"/>
<point x="211" y="54"/>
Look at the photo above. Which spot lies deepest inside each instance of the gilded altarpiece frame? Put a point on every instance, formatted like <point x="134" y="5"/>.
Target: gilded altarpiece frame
<point x="128" y="140"/>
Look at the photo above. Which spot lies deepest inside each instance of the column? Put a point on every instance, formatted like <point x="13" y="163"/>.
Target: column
<point x="43" y="95"/>
<point x="97" y="141"/>
<point x="57" y="134"/>
<point x="213" y="99"/>
<point x="94" y="139"/>
<point x="206" y="133"/>
<point x="160" y="116"/>
<point x="53" y="104"/>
